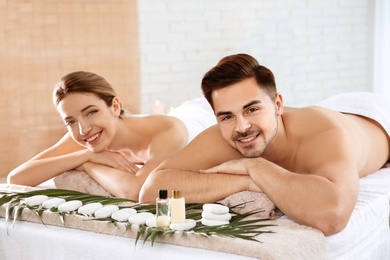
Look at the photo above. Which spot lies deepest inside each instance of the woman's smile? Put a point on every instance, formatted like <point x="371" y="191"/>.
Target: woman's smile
<point x="93" y="139"/>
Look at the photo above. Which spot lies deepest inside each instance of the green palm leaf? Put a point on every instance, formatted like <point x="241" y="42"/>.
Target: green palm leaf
<point x="240" y="225"/>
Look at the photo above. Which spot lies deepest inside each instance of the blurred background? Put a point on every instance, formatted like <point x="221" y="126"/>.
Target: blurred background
<point x="159" y="50"/>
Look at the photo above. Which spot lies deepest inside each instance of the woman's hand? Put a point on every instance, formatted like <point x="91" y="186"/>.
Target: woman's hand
<point x="114" y="160"/>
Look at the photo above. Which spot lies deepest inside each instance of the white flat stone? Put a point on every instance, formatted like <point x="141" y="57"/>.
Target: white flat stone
<point x="188" y="224"/>
<point x="219" y="217"/>
<point x="89" y="209"/>
<point x="151" y="222"/>
<point x="106" y="211"/>
<point x="208" y="222"/>
<point x="36" y="200"/>
<point x="123" y="214"/>
<point x="53" y="203"/>
<point x="140" y="218"/>
<point x="70" y="206"/>
<point x="215" y="208"/>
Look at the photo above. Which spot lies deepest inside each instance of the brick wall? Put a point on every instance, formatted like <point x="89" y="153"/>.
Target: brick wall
<point x="315" y="48"/>
<point x="42" y="40"/>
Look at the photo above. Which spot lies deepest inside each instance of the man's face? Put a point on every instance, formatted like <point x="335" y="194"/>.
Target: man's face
<point x="247" y="117"/>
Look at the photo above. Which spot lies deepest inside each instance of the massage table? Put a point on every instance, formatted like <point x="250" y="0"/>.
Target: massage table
<point x="365" y="237"/>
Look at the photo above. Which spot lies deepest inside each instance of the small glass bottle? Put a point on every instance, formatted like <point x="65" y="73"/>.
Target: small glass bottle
<point x="162" y="209"/>
<point x="177" y="207"/>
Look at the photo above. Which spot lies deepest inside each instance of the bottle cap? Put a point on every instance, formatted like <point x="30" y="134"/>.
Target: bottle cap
<point x="176" y="194"/>
<point x="163" y="194"/>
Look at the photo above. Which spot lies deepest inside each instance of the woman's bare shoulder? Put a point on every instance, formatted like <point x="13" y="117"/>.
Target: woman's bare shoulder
<point x="153" y="124"/>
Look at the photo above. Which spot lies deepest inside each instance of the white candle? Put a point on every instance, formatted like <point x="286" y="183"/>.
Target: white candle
<point x="157" y="108"/>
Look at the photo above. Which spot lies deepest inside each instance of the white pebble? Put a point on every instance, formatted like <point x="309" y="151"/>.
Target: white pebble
<point x="151" y="222"/>
<point x="162" y="221"/>
<point x="216" y="208"/>
<point x="36" y="200"/>
<point x="53" y="203"/>
<point x="89" y="209"/>
<point x="123" y="214"/>
<point x="70" y="206"/>
<point x="106" y="211"/>
<point x="188" y="224"/>
<point x="140" y="218"/>
<point x="208" y="222"/>
<point x="220" y="217"/>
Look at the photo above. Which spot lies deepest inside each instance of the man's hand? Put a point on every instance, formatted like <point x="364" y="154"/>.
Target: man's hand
<point x="235" y="167"/>
<point x="238" y="166"/>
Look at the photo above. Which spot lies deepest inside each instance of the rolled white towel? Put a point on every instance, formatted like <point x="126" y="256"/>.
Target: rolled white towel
<point x="196" y="114"/>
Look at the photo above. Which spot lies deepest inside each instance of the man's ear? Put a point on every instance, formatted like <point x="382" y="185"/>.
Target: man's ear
<point x="116" y="106"/>
<point x="279" y="104"/>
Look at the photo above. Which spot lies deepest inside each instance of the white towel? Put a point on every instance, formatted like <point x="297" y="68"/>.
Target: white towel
<point x="367" y="234"/>
<point x="371" y="105"/>
<point x="196" y="114"/>
<point x="377" y="183"/>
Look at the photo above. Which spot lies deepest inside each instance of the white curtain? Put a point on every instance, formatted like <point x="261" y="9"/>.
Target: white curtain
<point x="381" y="74"/>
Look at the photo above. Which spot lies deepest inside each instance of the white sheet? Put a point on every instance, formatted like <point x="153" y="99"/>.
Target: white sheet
<point x="367" y="234"/>
<point x="368" y="104"/>
<point x="32" y="241"/>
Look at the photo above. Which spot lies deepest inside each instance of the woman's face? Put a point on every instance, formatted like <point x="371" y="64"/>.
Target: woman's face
<point x="90" y="122"/>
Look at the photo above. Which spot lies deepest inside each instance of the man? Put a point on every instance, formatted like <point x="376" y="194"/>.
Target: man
<point x="306" y="160"/>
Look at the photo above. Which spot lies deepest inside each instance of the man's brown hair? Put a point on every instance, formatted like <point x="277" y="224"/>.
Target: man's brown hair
<point x="235" y="68"/>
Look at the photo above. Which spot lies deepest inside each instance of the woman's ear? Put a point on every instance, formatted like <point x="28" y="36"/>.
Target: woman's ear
<point x="279" y="104"/>
<point x="116" y="106"/>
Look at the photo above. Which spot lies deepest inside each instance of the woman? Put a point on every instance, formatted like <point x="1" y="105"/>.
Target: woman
<point x="103" y="140"/>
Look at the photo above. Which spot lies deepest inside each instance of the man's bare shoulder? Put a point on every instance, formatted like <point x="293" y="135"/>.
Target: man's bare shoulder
<point x="314" y="119"/>
<point x="326" y="136"/>
<point x="312" y="132"/>
<point x="206" y="150"/>
<point x="311" y="117"/>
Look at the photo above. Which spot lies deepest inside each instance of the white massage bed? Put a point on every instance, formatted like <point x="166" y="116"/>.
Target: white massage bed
<point x="365" y="237"/>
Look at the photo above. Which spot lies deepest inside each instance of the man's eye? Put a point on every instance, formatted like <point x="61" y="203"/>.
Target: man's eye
<point x="226" y="118"/>
<point x="252" y="109"/>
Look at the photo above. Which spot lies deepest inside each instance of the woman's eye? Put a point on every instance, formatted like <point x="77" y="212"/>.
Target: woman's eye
<point x="92" y="112"/>
<point x="69" y="123"/>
